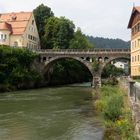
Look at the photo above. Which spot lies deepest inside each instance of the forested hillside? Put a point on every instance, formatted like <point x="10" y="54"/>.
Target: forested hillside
<point x="100" y="42"/>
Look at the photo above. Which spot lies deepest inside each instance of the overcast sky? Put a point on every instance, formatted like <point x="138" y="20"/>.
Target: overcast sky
<point x="103" y="18"/>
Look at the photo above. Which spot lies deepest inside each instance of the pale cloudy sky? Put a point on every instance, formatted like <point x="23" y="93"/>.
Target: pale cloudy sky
<point x="103" y="18"/>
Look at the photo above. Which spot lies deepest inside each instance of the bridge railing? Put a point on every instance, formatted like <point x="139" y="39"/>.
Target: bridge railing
<point x="83" y="50"/>
<point x="73" y="50"/>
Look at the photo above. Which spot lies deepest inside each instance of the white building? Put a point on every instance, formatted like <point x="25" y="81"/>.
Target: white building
<point x="19" y="30"/>
<point x="122" y="65"/>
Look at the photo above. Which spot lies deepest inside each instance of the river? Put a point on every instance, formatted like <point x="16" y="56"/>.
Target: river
<point x="61" y="113"/>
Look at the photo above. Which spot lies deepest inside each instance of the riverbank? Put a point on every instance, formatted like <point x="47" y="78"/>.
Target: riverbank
<point x="19" y="70"/>
<point x="16" y="69"/>
<point x="113" y="105"/>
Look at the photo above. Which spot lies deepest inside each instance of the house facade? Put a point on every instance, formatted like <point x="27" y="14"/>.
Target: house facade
<point x="134" y="25"/>
<point x="19" y="30"/>
<point x="122" y="65"/>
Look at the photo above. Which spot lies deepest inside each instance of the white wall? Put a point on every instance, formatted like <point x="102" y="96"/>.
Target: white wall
<point x="5" y="41"/>
<point x="120" y="65"/>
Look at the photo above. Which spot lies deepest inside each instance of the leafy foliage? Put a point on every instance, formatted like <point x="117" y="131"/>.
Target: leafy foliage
<point x="15" y="67"/>
<point x="110" y="70"/>
<point x="95" y="65"/>
<point x="42" y="13"/>
<point x="79" y="41"/>
<point x="69" y="71"/>
<point x="116" y="115"/>
<point x="58" y="33"/>
<point x="113" y="109"/>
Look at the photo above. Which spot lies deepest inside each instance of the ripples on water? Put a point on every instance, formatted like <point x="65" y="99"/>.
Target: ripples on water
<point x="64" y="113"/>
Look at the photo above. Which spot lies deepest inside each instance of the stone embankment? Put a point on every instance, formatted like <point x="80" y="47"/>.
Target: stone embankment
<point x="134" y="98"/>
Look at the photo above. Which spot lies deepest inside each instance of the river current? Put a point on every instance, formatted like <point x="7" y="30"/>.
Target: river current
<point x="61" y="113"/>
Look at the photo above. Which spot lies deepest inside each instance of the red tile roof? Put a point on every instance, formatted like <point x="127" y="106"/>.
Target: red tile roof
<point x="137" y="8"/>
<point x="18" y="21"/>
<point x="5" y="26"/>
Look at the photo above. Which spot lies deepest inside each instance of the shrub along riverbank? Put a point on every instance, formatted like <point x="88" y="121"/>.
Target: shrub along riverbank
<point x="16" y="70"/>
<point x="115" y="111"/>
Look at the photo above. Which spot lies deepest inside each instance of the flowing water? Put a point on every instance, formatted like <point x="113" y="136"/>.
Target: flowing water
<point x="62" y="113"/>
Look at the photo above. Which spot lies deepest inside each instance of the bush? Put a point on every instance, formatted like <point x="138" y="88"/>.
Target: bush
<point x="116" y="114"/>
<point x="15" y="68"/>
<point x="113" y="109"/>
<point x="111" y="81"/>
<point x="100" y="105"/>
<point x="126" y="129"/>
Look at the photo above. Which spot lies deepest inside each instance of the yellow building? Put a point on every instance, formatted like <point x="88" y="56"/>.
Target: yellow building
<point x="19" y="30"/>
<point x="134" y="25"/>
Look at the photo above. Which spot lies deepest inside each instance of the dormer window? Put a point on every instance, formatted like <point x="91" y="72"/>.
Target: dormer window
<point x="14" y="17"/>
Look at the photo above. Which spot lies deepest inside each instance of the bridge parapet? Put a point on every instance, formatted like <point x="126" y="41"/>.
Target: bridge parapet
<point x="83" y="50"/>
<point x="85" y="53"/>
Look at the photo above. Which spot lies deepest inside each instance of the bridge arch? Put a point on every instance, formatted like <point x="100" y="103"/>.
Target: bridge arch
<point x="109" y="60"/>
<point x="50" y="61"/>
<point x="86" y="57"/>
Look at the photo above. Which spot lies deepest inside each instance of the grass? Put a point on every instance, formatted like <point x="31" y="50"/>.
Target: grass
<point x="138" y="80"/>
<point x="116" y="113"/>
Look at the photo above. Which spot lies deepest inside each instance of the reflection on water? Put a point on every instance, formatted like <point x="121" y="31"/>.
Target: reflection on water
<point x="64" y="113"/>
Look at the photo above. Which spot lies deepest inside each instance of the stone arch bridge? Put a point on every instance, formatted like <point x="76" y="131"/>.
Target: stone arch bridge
<point x="87" y="57"/>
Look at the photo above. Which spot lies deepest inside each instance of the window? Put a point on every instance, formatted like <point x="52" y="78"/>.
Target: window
<point x="132" y="31"/>
<point x="33" y="22"/>
<point x="29" y="36"/>
<point x="138" y="58"/>
<point x="135" y="44"/>
<point x="1" y="36"/>
<point x="5" y="36"/>
<point x="132" y="45"/>
<point x="32" y="29"/>
<point x="136" y="29"/>
<point x="138" y="42"/>
<point x="132" y="59"/>
<point x="139" y="27"/>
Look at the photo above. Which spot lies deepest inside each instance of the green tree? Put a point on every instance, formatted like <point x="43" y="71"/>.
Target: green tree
<point x="80" y="41"/>
<point x="69" y="71"/>
<point x="15" y="68"/>
<point x="111" y="70"/>
<point x="58" y="33"/>
<point x="42" y="13"/>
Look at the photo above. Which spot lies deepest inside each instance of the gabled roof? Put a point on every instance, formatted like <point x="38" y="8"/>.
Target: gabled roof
<point x="137" y="8"/>
<point x="18" y="21"/>
<point x="5" y="26"/>
<point x="134" y="11"/>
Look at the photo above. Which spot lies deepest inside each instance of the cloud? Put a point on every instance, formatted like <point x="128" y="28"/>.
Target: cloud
<point x="107" y="18"/>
